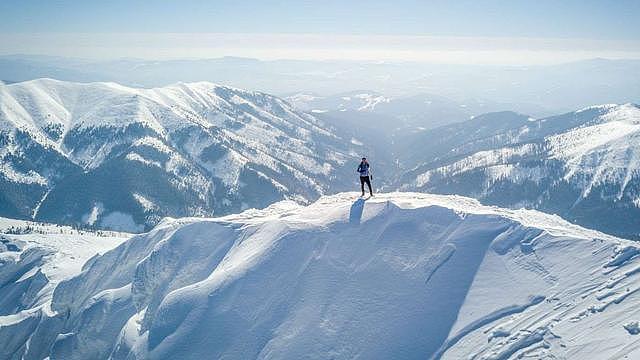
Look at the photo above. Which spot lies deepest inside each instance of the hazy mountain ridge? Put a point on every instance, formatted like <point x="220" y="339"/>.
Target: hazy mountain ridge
<point x="536" y="90"/>
<point x="401" y="112"/>
<point x="384" y="122"/>
<point x="85" y="151"/>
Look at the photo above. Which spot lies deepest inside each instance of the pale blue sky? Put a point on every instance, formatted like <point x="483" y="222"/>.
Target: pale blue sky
<point x="547" y="30"/>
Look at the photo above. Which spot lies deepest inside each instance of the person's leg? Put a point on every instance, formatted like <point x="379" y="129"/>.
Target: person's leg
<point x="369" y="185"/>
<point x="362" y="180"/>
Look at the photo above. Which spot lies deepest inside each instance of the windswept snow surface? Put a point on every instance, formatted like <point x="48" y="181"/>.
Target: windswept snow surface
<point x="398" y="276"/>
<point x="34" y="259"/>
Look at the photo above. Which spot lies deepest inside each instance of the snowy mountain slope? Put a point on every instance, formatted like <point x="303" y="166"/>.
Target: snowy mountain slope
<point x="34" y="259"/>
<point x="117" y="157"/>
<point x="402" y="275"/>
<point x="580" y="165"/>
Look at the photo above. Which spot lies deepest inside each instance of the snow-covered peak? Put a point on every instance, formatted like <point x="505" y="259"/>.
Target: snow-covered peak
<point x="399" y="275"/>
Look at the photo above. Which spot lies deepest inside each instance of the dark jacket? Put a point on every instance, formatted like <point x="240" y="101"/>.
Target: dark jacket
<point x="363" y="169"/>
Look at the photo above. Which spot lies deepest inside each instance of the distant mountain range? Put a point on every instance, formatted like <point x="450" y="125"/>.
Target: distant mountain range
<point x="382" y="121"/>
<point x="111" y="156"/>
<point x="416" y="111"/>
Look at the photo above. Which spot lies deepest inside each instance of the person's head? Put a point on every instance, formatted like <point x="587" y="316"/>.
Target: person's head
<point x="364" y="160"/>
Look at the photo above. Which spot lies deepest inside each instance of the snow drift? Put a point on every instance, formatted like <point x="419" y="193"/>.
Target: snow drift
<point x="401" y="275"/>
<point x="34" y="259"/>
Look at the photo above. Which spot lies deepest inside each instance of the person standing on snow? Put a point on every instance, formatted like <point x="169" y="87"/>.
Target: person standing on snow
<point x="365" y="176"/>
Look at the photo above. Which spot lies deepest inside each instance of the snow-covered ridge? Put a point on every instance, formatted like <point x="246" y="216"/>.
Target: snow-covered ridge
<point x="484" y="159"/>
<point x="37" y="103"/>
<point x="400" y="275"/>
<point x="605" y="149"/>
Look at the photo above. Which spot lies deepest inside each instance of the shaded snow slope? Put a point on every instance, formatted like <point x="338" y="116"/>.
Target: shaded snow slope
<point x="129" y="156"/>
<point x="34" y="259"/>
<point x="401" y="275"/>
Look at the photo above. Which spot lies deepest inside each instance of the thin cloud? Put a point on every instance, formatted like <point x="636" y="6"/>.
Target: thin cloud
<point x="441" y="49"/>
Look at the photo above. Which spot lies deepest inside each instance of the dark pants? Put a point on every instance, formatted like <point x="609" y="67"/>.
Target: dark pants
<point x="363" y="180"/>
